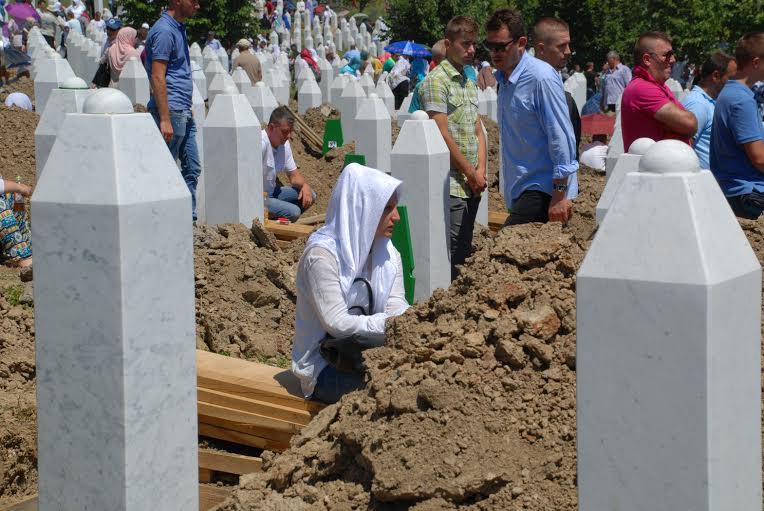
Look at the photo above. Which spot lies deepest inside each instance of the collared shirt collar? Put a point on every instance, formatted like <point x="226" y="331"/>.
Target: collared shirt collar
<point x="703" y="93"/>
<point x="449" y="68"/>
<point x="172" y="20"/>
<point x="517" y="71"/>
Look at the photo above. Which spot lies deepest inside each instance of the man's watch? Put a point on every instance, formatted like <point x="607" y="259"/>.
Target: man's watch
<point x="560" y="187"/>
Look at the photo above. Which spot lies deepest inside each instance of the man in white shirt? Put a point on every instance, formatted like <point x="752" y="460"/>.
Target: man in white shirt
<point x="283" y="201"/>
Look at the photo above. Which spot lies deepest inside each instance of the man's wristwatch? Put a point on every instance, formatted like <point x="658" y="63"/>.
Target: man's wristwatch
<point x="560" y="187"/>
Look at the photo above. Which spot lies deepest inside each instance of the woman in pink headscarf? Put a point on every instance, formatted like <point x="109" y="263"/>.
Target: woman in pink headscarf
<point x="121" y="51"/>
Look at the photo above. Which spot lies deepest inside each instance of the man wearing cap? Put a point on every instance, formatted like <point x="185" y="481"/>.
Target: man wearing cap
<point x="248" y="62"/>
<point x="212" y="42"/>
<point x="169" y="68"/>
<point x="112" y="29"/>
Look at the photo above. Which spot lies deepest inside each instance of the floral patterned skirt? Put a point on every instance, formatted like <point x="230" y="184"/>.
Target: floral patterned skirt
<point x="15" y="239"/>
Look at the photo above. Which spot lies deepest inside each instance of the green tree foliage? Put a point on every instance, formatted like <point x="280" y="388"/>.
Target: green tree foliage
<point x="230" y="19"/>
<point x="697" y="27"/>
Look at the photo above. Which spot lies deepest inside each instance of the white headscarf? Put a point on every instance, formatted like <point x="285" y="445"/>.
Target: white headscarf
<point x="358" y="201"/>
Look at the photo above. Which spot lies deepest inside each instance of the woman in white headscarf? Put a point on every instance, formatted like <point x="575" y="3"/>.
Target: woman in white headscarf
<point x="353" y="245"/>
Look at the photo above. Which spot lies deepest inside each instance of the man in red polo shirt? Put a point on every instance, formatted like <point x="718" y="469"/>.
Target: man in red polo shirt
<point x="648" y="107"/>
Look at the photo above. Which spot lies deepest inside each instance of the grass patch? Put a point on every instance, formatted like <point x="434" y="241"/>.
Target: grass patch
<point x="13" y="294"/>
<point x="281" y="361"/>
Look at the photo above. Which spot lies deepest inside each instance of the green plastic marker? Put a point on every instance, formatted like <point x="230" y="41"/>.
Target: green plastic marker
<point x="402" y="242"/>
<point x="354" y="158"/>
<point x="333" y="135"/>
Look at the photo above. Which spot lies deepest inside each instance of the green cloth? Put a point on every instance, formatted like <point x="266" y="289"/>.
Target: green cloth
<point x="389" y="64"/>
<point x="448" y="91"/>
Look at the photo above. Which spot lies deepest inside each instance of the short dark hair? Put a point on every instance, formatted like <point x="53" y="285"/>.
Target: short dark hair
<point x="716" y="62"/>
<point x="280" y="115"/>
<point x="641" y="46"/>
<point x="459" y="25"/>
<point x="749" y="47"/>
<point x="546" y="26"/>
<point x="509" y="18"/>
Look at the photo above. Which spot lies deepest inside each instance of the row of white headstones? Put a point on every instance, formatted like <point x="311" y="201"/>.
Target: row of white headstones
<point x="668" y="309"/>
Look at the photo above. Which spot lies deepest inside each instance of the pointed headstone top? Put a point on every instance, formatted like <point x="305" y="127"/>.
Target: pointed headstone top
<point x="260" y="85"/>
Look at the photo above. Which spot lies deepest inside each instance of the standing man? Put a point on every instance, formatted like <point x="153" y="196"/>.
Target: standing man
<point x="248" y="61"/>
<point x="169" y="68"/>
<point x="701" y="100"/>
<point x="212" y="42"/>
<point x="617" y="77"/>
<point x="538" y="144"/>
<point x="551" y="38"/>
<point x="283" y="201"/>
<point x="451" y="100"/>
<point x="737" y="134"/>
<point x="649" y="108"/>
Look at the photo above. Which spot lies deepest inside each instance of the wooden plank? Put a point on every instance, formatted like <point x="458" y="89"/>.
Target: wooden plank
<point x="209" y="497"/>
<point x="237" y="437"/>
<point x="311" y="220"/>
<point x="278" y="428"/>
<point x="26" y="504"/>
<point x="496" y="219"/>
<point x="270" y="437"/>
<point x="228" y="463"/>
<point x="283" y="413"/>
<point x="252" y="381"/>
<point x="288" y="232"/>
<point x="205" y="475"/>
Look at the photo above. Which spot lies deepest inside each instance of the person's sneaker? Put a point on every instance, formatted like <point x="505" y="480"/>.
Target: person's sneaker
<point x="26" y="274"/>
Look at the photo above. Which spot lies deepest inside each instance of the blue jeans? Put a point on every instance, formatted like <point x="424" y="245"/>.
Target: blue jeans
<point x="183" y="148"/>
<point x="333" y="384"/>
<point x="283" y="203"/>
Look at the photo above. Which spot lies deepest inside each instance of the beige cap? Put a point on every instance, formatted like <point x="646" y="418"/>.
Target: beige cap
<point x="243" y="43"/>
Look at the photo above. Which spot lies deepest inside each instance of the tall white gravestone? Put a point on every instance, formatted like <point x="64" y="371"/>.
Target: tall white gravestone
<point x="403" y="114"/>
<point x="420" y="159"/>
<point x="114" y="317"/>
<point x="668" y="347"/>
<point x="327" y="76"/>
<point x="200" y="80"/>
<point x="374" y="133"/>
<point x="309" y="96"/>
<point x="263" y="102"/>
<point x="627" y="162"/>
<point x="51" y="75"/>
<point x="386" y="95"/>
<point x="242" y="81"/>
<point x="134" y="82"/>
<point x="199" y="112"/>
<point x="233" y="167"/>
<point x="350" y="101"/>
<point x="69" y="98"/>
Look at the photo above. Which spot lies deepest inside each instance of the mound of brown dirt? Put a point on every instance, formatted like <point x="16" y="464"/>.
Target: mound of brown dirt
<point x="472" y="403"/>
<point x="17" y="142"/>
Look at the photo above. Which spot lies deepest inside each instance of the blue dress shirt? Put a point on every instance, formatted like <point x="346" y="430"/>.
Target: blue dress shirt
<point x="702" y="107"/>
<point x="538" y="144"/>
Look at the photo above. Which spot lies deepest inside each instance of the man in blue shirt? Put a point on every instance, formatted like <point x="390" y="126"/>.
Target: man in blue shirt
<point x="539" y="147"/>
<point x="701" y="100"/>
<point x="737" y="134"/>
<point x="169" y="69"/>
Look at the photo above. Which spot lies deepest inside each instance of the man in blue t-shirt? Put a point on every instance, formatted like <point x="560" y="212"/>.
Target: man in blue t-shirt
<point x="169" y="69"/>
<point x="701" y="100"/>
<point x="737" y="134"/>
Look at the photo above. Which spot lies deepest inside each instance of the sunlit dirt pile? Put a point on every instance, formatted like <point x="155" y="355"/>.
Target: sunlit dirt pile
<point x="471" y="404"/>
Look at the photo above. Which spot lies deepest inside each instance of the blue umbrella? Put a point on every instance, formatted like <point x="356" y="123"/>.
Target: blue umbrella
<point x="408" y="48"/>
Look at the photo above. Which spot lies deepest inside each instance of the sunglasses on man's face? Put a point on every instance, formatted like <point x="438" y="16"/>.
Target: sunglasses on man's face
<point x="492" y="47"/>
<point x="665" y="57"/>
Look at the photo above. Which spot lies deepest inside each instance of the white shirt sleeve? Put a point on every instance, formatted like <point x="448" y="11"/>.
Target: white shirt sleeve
<point x="289" y="163"/>
<point x="396" y="302"/>
<point x="325" y="295"/>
